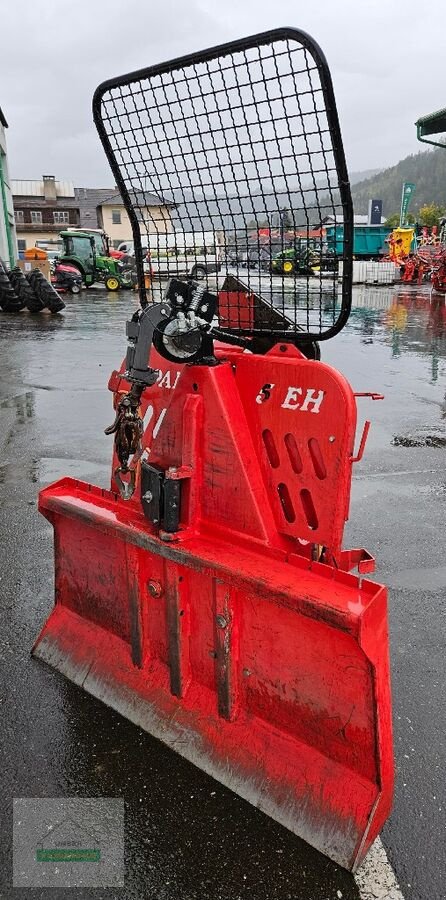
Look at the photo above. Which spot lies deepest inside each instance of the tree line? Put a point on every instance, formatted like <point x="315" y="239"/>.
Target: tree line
<point x="427" y="170"/>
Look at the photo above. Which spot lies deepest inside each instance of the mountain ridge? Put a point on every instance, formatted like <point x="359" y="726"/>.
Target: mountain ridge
<point x="426" y="169"/>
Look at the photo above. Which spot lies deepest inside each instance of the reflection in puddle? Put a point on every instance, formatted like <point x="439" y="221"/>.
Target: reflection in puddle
<point x="23" y="405"/>
<point x="408" y="320"/>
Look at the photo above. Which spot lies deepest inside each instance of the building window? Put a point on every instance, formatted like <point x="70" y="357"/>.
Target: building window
<point x="21" y="246"/>
<point x="61" y="218"/>
<point x="116" y="216"/>
<point x="36" y="217"/>
<point x="19" y="217"/>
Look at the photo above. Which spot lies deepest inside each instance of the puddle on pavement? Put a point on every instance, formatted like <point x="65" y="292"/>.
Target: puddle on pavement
<point x="404" y="326"/>
<point x="23" y="404"/>
<point x="396" y="333"/>
<point x="407" y="319"/>
<point x="50" y="469"/>
<point x="47" y="469"/>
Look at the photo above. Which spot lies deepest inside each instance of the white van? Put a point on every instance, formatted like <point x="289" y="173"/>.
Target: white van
<point x="174" y="253"/>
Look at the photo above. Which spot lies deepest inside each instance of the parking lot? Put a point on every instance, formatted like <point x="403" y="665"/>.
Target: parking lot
<point x="181" y="826"/>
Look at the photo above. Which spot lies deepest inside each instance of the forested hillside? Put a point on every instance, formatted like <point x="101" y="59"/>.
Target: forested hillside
<point x="427" y="170"/>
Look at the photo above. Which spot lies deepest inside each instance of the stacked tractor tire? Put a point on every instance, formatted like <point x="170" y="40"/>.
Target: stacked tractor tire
<point x="31" y="291"/>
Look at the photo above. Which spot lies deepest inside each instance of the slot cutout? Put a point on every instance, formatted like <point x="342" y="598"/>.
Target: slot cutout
<point x="308" y="508"/>
<point x="286" y="501"/>
<point x="271" y="449"/>
<point x="320" y="469"/>
<point x="293" y="454"/>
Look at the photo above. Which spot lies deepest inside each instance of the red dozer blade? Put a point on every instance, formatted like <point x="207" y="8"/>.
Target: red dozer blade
<point x="206" y="596"/>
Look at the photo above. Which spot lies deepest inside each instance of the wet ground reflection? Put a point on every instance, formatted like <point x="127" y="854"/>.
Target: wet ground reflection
<point x="54" y="405"/>
<point x="407" y="320"/>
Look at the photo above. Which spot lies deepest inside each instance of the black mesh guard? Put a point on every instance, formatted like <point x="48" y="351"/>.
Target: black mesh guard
<point x="230" y="162"/>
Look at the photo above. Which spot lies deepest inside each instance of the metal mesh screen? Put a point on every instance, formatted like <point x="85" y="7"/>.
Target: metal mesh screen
<point x="231" y="164"/>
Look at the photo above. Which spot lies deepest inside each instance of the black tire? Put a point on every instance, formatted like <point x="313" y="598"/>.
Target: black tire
<point x="75" y="289"/>
<point x="9" y="301"/>
<point x="198" y="273"/>
<point x="45" y="292"/>
<point x="34" y="302"/>
<point x="21" y="287"/>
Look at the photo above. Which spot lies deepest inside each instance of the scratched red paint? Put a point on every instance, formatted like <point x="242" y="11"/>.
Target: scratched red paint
<point x="265" y="668"/>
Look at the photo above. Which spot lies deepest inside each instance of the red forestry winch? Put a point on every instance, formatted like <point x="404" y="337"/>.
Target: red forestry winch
<point x="207" y="596"/>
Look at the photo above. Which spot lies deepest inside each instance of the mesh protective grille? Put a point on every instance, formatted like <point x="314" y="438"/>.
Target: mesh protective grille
<point x="230" y="162"/>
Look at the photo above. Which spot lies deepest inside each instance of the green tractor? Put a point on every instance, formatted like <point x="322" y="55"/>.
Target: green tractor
<point x="304" y="259"/>
<point x="89" y="251"/>
<point x="292" y="261"/>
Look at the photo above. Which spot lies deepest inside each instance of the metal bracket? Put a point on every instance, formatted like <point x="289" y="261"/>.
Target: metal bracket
<point x="359" y="559"/>
<point x="362" y="443"/>
<point x="161" y="495"/>
<point x="372" y="395"/>
<point x="140" y="336"/>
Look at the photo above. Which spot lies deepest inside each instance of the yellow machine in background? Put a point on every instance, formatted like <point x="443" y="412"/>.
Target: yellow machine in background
<point x="401" y="242"/>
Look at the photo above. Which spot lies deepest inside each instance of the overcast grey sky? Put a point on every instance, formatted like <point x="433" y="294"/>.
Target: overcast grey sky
<point x="386" y="58"/>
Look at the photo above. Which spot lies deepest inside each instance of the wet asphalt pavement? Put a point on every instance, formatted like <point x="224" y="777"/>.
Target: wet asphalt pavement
<point x="188" y="838"/>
